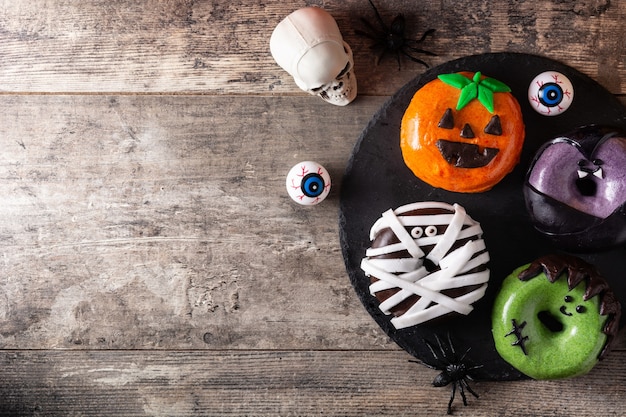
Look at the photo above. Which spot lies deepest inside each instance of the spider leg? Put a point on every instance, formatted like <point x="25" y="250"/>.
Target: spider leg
<point x="377" y="36"/>
<point x="452" y="394"/>
<point x="420" y="40"/>
<point x="419" y="50"/>
<point x="414" y="59"/>
<point x="464" y="383"/>
<point x="432" y="349"/>
<point x="398" y="59"/>
<point x="465" y="354"/>
<point x="440" y="345"/>
<point x="469" y="370"/>
<point x="451" y="345"/>
<point x="372" y="32"/>
<point x="422" y="363"/>
<point x="443" y="351"/>
<point x="411" y="45"/>
<point x="426" y="34"/>
<point x="379" y="18"/>
<point x="397" y="25"/>
<point x="462" y="390"/>
<point x="380" y="57"/>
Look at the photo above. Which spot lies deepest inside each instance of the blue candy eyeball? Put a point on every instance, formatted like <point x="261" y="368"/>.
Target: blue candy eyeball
<point x="308" y="183"/>
<point x="550" y="93"/>
<point x="312" y="185"/>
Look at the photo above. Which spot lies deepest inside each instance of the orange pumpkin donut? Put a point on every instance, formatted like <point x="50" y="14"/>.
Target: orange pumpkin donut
<point x="462" y="132"/>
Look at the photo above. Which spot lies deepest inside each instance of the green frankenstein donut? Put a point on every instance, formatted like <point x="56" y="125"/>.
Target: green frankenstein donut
<point x="554" y="318"/>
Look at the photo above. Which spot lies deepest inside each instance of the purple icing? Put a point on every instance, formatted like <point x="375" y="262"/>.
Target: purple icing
<point x="555" y="173"/>
<point x="575" y="189"/>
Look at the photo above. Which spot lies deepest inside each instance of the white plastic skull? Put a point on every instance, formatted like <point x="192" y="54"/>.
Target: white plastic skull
<point x="309" y="46"/>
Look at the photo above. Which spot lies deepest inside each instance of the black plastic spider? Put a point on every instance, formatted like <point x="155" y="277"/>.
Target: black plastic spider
<point x="454" y="370"/>
<point x="392" y="39"/>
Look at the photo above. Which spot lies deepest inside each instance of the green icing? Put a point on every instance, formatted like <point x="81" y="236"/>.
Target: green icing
<point x="550" y="353"/>
<point x="475" y="88"/>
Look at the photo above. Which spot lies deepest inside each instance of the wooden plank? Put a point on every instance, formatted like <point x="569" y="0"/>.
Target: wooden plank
<point x="279" y="383"/>
<point x="141" y="222"/>
<point x="146" y="234"/>
<point x="222" y="48"/>
<point x="163" y="222"/>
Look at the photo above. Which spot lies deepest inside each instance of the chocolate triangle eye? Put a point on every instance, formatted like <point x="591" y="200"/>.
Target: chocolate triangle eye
<point x="447" y="120"/>
<point x="494" y="127"/>
<point x="467" y="132"/>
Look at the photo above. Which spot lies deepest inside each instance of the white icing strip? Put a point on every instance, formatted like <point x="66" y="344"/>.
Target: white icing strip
<point x="421" y="304"/>
<point x="424" y="204"/>
<point x="451" y="265"/>
<point x="456" y="259"/>
<point x="380" y="223"/>
<point x="379" y="286"/>
<point x="466" y="233"/>
<point x="434" y="296"/>
<point x="392" y="301"/>
<point x="481" y="259"/>
<point x="448" y="278"/>
<point x="397" y="265"/>
<point x="412" y="276"/>
<point x="409" y="276"/>
<point x="449" y="237"/>
<point x="473" y="230"/>
<point x="385" y="250"/>
<point x="412" y="318"/>
<point x="402" y="234"/>
<point x="398" y="297"/>
<point x="458" y="281"/>
<point x="377" y="227"/>
<point x="426" y="219"/>
<point x="469" y="232"/>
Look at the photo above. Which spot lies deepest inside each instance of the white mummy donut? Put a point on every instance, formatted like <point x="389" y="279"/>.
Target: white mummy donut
<point x="427" y="260"/>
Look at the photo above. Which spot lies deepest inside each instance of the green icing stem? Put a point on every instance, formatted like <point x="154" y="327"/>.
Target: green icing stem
<point x="475" y="88"/>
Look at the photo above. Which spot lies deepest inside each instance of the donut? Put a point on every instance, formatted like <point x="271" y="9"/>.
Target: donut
<point x="575" y="189"/>
<point x="462" y="132"/>
<point x="427" y="260"/>
<point x="554" y="318"/>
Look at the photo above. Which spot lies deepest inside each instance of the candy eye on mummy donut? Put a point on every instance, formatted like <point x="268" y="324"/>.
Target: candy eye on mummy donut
<point x="429" y="231"/>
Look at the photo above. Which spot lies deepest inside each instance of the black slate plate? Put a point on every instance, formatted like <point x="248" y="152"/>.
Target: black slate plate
<point x="376" y="179"/>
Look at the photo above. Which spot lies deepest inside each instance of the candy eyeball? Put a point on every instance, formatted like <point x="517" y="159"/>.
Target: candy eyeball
<point x="308" y="183"/>
<point x="550" y="93"/>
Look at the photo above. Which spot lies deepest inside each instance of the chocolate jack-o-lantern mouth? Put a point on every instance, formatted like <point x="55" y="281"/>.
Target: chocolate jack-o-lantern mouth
<point x="465" y="155"/>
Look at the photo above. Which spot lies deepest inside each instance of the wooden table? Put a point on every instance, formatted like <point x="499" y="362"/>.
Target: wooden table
<point x="151" y="260"/>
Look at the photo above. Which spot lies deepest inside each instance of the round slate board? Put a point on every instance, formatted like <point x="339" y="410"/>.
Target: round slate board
<point x="376" y="179"/>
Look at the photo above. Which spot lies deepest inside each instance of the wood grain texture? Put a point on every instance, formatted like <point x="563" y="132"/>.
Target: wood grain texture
<point x="279" y="383"/>
<point x="145" y="221"/>
<point x="222" y="47"/>
<point x="151" y="263"/>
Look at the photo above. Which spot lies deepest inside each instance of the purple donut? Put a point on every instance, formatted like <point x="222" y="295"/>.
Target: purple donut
<point x="575" y="189"/>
